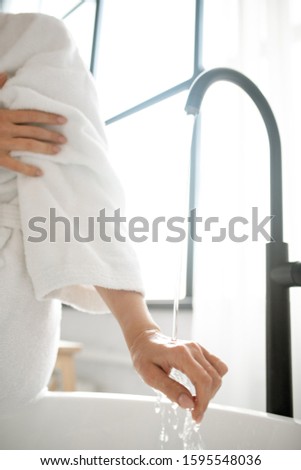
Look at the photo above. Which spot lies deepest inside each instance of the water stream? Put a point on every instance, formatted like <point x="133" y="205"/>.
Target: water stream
<point x="172" y="422"/>
<point x="172" y="416"/>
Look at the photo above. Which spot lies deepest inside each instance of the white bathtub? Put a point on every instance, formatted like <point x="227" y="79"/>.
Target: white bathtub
<point x="113" y="421"/>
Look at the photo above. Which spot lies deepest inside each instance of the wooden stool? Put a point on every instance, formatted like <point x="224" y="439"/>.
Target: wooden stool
<point x="65" y="364"/>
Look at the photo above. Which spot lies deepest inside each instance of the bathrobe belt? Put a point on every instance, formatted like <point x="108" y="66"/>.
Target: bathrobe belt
<point x="9" y="220"/>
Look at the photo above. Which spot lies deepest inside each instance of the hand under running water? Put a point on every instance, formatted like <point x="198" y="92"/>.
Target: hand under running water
<point x="154" y="355"/>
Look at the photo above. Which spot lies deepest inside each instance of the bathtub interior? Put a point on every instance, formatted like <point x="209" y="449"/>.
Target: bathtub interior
<point x="113" y="421"/>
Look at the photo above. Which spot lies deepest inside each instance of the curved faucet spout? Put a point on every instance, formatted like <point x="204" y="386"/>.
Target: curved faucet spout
<point x="193" y="105"/>
<point x="280" y="274"/>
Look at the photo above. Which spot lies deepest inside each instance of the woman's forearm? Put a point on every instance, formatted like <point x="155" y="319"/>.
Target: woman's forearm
<point x="154" y="355"/>
<point x="131" y="312"/>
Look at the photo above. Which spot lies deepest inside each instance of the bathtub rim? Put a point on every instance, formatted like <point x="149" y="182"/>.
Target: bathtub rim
<point x="111" y="396"/>
<point x="85" y="409"/>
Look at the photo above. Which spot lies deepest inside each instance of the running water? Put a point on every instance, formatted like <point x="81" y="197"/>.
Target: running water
<point x="189" y="431"/>
<point x="172" y="422"/>
<point x="172" y="415"/>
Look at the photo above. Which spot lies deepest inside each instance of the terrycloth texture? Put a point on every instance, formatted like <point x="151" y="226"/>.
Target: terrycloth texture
<point x="47" y="73"/>
<point x="29" y="328"/>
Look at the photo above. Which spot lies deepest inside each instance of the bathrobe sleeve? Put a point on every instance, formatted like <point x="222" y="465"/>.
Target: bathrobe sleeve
<point x="69" y="245"/>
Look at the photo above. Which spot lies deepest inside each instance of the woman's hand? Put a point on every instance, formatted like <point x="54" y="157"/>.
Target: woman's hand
<point x="21" y="130"/>
<point x="155" y="355"/>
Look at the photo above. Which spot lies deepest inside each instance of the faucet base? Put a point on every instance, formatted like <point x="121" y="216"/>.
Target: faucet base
<point x="278" y="334"/>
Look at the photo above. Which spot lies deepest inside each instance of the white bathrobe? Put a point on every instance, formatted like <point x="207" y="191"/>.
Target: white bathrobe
<point x="46" y="73"/>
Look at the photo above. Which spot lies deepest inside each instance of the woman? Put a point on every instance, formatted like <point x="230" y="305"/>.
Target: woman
<point x="153" y="354"/>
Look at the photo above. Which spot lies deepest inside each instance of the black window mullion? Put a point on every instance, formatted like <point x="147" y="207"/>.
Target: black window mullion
<point x="96" y="34"/>
<point x="79" y="4"/>
<point x="198" y="68"/>
<point x="151" y="101"/>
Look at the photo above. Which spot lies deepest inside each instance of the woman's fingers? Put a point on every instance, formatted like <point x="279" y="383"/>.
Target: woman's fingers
<point x="30" y="145"/>
<point x="205" y="371"/>
<point x="159" y="380"/>
<point x="202" y="369"/>
<point x="205" y="390"/>
<point x="191" y="362"/>
<point x="32" y="132"/>
<point x="213" y="366"/>
<point x="29" y="138"/>
<point x="26" y="116"/>
<point x="3" y="79"/>
<point x="18" y="166"/>
<point x="24" y="130"/>
<point x="219" y="365"/>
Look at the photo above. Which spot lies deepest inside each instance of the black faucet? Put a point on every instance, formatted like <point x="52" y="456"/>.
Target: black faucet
<point x="280" y="273"/>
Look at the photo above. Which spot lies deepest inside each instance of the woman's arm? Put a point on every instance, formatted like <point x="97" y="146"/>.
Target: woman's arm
<point x="18" y="131"/>
<point x="154" y="355"/>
